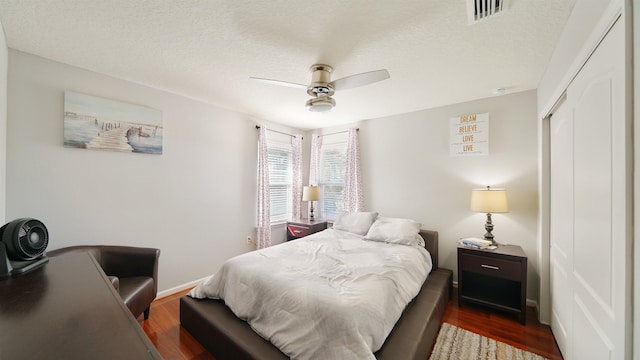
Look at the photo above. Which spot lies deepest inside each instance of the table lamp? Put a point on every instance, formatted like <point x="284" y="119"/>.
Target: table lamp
<point x="489" y="201"/>
<point x="311" y="193"/>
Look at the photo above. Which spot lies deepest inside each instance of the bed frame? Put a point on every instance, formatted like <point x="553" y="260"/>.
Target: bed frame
<point x="215" y="326"/>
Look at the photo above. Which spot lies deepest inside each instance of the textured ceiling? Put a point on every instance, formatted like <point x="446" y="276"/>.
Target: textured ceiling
<point x="207" y="49"/>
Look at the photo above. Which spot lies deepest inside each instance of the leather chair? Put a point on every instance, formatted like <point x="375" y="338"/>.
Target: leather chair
<point x="133" y="271"/>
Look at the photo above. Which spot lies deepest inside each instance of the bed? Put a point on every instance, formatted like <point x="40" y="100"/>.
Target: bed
<point x="226" y="336"/>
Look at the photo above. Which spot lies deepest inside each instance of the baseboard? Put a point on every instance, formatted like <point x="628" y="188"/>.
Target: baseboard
<point x="176" y="289"/>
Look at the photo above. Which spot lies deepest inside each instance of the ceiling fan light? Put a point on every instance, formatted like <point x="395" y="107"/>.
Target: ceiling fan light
<point x="321" y="104"/>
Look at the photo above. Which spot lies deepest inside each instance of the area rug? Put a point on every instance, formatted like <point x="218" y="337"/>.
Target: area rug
<point x="454" y="343"/>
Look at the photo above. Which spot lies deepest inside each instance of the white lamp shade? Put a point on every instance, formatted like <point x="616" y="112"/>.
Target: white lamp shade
<point x="310" y="193"/>
<point x="489" y="200"/>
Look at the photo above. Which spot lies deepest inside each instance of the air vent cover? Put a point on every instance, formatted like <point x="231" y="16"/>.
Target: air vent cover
<point x="481" y="9"/>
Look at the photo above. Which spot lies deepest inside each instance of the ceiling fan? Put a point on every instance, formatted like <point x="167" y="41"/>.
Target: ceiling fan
<point x="322" y="88"/>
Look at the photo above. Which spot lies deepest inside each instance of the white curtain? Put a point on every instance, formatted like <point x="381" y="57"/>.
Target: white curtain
<point x="264" y="203"/>
<point x="314" y="159"/>
<point x="314" y="163"/>
<point x="353" y="198"/>
<point x="296" y="146"/>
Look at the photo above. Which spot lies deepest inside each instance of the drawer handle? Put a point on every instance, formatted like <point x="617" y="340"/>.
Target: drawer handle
<point x="490" y="267"/>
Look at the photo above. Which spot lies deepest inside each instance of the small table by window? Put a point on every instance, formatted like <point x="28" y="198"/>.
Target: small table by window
<point x="302" y="227"/>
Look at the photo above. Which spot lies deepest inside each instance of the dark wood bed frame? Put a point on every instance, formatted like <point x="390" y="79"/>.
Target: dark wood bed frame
<point x="215" y="326"/>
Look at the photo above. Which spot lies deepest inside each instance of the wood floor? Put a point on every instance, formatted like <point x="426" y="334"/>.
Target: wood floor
<point x="173" y="342"/>
<point x="165" y="332"/>
<point x="533" y="336"/>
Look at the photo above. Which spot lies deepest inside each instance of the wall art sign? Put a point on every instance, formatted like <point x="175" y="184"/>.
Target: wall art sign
<point x="469" y="135"/>
<point x="96" y="123"/>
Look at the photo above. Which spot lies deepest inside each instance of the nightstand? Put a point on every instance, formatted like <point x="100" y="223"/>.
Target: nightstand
<point x="494" y="278"/>
<point x="303" y="227"/>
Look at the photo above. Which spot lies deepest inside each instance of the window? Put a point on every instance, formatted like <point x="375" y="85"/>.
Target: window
<point x="280" y="154"/>
<point x="331" y="176"/>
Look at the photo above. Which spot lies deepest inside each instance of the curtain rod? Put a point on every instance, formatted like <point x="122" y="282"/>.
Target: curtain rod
<point x="279" y="132"/>
<point x="338" y="132"/>
<point x="284" y="133"/>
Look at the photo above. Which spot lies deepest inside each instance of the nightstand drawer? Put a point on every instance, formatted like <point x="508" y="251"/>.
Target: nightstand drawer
<point x="299" y="230"/>
<point x="500" y="268"/>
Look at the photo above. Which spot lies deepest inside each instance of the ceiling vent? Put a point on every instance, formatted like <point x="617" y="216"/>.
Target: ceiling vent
<point x="482" y="9"/>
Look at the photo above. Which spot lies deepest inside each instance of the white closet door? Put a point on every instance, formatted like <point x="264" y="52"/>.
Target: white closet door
<point x="561" y="227"/>
<point x="590" y="228"/>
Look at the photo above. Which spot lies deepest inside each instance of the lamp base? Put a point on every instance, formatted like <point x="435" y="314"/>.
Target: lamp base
<point x="490" y="238"/>
<point x="311" y="218"/>
<point x="488" y="226"/>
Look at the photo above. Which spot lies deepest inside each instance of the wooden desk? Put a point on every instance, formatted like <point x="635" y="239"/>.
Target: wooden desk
<point x="67" y="309"/>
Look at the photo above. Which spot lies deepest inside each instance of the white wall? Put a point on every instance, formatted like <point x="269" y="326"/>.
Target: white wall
<point x="635" y="19"/>
<point x="581" y="28"/>
<point x="195" y="201"/>
<point x="407" y="172"/>
<point x="4" y="60"/>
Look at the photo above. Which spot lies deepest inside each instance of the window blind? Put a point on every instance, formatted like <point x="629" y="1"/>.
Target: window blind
<point x="280" y="179"/>
<point x="333" y="159"/>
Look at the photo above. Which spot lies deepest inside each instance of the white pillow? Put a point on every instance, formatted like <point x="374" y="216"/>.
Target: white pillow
<point x="356" y="222"/>
<point x="420" y="241"/>
<point x="395" y="231"/>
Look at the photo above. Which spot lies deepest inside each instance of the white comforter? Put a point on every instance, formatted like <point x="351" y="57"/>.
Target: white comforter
<point x="331" y="295"/>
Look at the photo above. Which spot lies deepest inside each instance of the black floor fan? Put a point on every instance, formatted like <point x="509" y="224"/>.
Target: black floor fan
<point x="22" y="246"/>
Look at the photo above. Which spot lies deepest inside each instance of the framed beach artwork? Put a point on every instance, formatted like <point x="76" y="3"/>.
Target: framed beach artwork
<point x="92" y="122"/>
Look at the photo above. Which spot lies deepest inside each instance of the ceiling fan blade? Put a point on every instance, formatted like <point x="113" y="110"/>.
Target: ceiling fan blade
<point x="360" y="79"/>
<point x="279" y="82"/>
